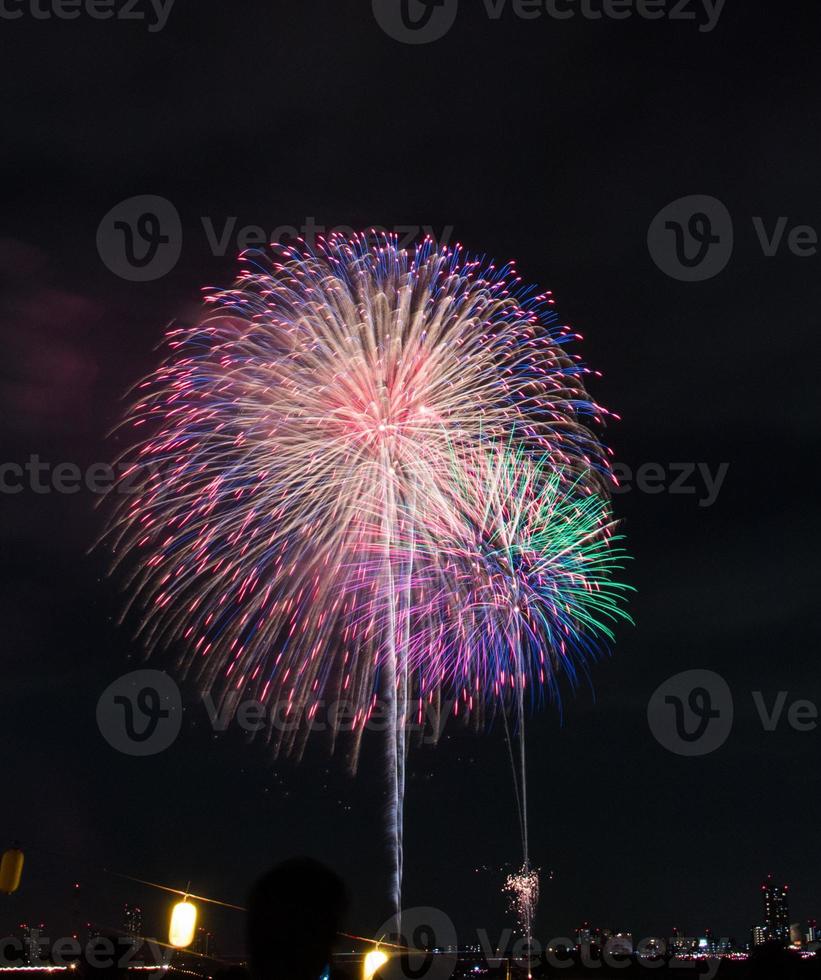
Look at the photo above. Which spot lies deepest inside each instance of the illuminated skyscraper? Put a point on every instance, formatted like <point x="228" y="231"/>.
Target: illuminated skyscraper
<point x="30" y="939"/>
<point x="776" y="912"/>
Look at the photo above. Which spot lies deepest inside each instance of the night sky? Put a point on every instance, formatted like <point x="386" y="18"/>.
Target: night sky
<point x="552" y="141"/>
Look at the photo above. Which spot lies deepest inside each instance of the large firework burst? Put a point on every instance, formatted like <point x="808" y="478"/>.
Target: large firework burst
<point x="369" y="471"/>
<point x="292" y="433"/>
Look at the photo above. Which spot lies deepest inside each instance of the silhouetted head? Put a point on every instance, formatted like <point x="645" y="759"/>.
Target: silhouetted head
<point x="770" y="961"/>
<point x="294" y="914"/>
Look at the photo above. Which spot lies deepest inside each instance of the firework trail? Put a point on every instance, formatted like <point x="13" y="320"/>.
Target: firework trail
<point x="326" y="513"/>
<point x="516" y="589"/>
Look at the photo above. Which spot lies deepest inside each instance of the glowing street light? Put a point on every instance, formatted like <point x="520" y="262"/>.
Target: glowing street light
<point x="11" y="870"/>
<point x="183" y="924"/>
<point x="373" y="961"/>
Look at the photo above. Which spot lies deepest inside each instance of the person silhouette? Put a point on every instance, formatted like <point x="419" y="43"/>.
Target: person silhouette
<point x="294" y="914"/>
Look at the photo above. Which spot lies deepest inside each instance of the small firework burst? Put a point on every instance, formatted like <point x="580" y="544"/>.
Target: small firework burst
<point x="515" y="582"/>
<point x="522" y="890"/>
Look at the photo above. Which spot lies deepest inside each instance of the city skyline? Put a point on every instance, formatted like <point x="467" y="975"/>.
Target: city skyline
<point x="776" y="926"/>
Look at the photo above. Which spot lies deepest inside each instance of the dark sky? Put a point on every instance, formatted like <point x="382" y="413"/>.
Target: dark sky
<point x="553" y="141"/>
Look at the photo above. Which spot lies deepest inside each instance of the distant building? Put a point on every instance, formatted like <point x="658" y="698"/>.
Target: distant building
<point x="620" y="944"/>
<point x="652" y="948"/>
<point x="776" y="912"/>
<point x="31" y="939"/>
<point x="681" y="944"/>
<point x="587" y="935"/>
<point x="759" y="935"/>
<point x="132" y="921"/>
<point x="204" y="943"/>
<point x="804" y="933"/>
